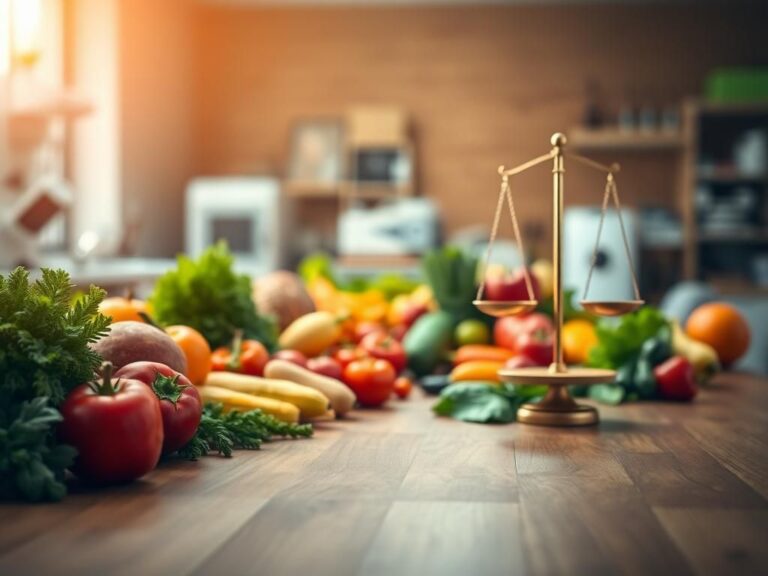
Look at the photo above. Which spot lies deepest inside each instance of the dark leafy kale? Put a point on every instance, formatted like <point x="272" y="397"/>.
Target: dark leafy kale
<point x="208" y="295"/>
<point x="44" y="354"/>
<point x="222" y="432"/>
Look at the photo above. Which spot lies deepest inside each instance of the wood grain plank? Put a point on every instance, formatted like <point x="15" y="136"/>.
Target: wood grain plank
<point x="577" y="453"/>
<point x="461" y="467"/>
<point x="573" y="526"/>
<point x="720" y="542"/>
<point x="292" y="537"/>
<point x="738" y="446"/>
<point x="357" y="466"/>
<point x="685" y="475"/>
<point x="447" y="538"/>
<point x="111" y="528"/>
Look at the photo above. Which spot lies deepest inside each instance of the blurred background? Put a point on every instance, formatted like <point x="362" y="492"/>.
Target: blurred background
<point x="133" y="130"/>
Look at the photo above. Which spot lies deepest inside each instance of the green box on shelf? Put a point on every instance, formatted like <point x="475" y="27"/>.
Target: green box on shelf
<point x="738" y="85"/>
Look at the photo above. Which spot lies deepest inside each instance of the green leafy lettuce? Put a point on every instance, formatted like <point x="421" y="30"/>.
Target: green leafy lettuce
<point x="484" y="402"/>
<point x="208" y="295"/>
<point x="621" y="342"/>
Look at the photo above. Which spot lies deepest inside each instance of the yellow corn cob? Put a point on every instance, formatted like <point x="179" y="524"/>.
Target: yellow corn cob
<point x="232" y="400"/>
<point x="311" y="403"/>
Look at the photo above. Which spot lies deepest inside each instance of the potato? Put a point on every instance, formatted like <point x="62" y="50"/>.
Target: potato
<point x="131" y="341"/>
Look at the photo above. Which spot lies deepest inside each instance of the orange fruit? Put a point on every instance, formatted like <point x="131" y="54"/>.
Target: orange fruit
<point x="578" y="338"/>
<point x="721" y="326"/>
<point x="120" y="309"/>
<point x="196" y="350"/>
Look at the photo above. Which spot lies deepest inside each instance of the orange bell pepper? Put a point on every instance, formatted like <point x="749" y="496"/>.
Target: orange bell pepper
<point x="477" y="370"/>
<point x="472" y="352"/>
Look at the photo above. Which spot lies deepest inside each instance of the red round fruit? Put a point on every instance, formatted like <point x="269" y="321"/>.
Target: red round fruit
<point x="385" y="347"/>
<point x="180" y="402"/>
<point x="371" y="379"/>
<point x="519" y="361"/>
<point x="326" y="366"/>
<point x="116" y="427"/>
<point x="403" y="387"/>
<point x="291" y="356"/>
<point x="346" y="355"/>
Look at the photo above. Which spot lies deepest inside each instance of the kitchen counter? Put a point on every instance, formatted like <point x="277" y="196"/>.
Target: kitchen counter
<point x="657" y="488"/>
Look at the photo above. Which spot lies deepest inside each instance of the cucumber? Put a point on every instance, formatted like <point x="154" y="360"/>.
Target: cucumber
<point x="426" y="341"/>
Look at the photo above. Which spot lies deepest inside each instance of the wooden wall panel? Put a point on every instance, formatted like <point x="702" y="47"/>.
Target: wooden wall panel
<point x="483" y="85"/>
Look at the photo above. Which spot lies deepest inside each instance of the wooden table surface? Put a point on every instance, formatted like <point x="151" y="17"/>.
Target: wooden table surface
<point x="657" y="488"/>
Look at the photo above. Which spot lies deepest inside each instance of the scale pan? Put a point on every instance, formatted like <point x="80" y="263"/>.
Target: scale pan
<point x="611" y="307"/>
<point x="501" y="308"/>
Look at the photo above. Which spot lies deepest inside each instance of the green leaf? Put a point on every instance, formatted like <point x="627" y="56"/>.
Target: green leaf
<point x="620" y="342"/>
<point x="607" y="394"/>
<point x="477" y="402"/>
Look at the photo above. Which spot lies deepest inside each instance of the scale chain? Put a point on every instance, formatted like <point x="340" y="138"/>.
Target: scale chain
<point x="611" y="192"/>
<point x="492" y="240"/>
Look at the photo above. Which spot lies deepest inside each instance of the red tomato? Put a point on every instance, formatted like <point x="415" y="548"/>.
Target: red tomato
<point x="364" y="328"/>
<point x="507" y="330"/>
<point x="676" y="379"/>
<point x="326" y="366"/>
<point x="536" y="345"/>
<point x="371" y="379"/>
<point x="291" y="356"/>
<point x="116" y="426"/>
<point x="383" y="346"/>
<point x="180" y="402"/>
<point x="403" y="387"/>
<point x="345" y="355"/>
<point x="246" y="357"/>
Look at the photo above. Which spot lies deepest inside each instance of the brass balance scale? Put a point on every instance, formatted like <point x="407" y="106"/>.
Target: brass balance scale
<point x="557" y="407"/>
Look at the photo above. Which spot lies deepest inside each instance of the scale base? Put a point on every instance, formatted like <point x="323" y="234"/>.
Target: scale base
<point x="557" y="408"/>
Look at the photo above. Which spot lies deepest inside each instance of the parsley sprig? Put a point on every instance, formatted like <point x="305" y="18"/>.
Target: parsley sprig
<point x="223" y="432"/>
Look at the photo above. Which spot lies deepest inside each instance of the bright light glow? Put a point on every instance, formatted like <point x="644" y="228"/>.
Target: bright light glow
<point x="26" y="25"/>
<point x="5" y="36"/>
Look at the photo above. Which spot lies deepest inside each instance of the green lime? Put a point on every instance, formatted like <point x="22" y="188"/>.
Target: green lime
<point x="472" y="332"/>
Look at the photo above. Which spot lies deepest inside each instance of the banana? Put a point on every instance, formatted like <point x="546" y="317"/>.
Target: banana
<point x="702" y="356"/>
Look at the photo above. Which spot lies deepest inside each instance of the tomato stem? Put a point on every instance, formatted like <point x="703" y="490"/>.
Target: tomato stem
<point x="103" y="386"/>
<point x="167" y="387"/>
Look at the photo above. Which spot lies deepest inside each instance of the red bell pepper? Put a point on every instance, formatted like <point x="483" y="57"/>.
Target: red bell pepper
<point x="676" y="379"/>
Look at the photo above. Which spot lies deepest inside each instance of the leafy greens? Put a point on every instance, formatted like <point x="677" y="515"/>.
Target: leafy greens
<point x="44" y="354"/>
<point x="208" y="295"/>
<point x="621" y="342"/>
<point x="224" y="432"/>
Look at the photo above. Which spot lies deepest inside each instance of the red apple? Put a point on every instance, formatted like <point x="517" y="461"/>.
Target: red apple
<point x="510" y="286"/>
<point x="519" y="361"/>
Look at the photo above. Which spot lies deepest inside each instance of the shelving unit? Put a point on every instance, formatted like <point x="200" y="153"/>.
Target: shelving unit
<point x="618" y="139"/>
<point x="710" y="131"/>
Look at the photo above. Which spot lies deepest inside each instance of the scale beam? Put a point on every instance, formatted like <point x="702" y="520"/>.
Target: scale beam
<point x="525" y="166"/>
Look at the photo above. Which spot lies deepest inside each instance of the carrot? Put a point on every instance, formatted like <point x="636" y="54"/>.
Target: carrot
<point x="473" y="352"/>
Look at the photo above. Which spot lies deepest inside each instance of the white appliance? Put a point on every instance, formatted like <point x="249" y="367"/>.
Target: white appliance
<point x="612" y="278"/>
<point x="246" y="212"/>
<point x="404" y="227"/>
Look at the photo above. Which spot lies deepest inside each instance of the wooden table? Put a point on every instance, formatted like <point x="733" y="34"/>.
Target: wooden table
<point x="658" y="488"/>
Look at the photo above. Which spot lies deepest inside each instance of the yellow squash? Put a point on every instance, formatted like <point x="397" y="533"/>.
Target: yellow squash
<point x="310" y="402"/>
<point x="312" y="333"/>
<point x="242" y="402"/>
